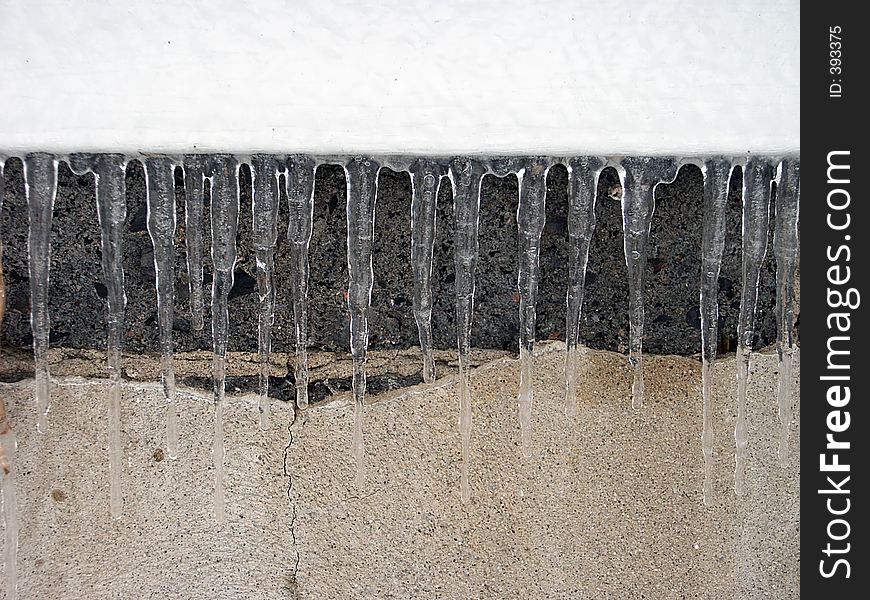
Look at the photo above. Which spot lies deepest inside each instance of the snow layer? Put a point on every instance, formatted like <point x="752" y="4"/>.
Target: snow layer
<point x="672" y="76"/>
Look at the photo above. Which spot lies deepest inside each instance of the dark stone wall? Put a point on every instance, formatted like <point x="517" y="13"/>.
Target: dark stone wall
<point x="78" y="309"/>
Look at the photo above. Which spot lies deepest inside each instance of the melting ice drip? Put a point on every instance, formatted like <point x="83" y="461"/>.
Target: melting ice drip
<point x="40" y="187"/>
<point x="111" y="194"/>
<point x="785" y="249"/>
<point x="717" y="176"/>
<point x="224" y="226"/>
<point x="756" y="218"/>
<point x="362" y="187"/>
<point x="639" y="178"/>
<point x="218" y="176"/>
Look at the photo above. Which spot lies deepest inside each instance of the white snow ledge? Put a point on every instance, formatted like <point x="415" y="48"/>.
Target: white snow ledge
<point x="449" y="77"/>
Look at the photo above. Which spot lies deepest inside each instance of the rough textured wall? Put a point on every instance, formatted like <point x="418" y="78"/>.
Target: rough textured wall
<point x="78" y="311"/>
<point x="608" y="507"/>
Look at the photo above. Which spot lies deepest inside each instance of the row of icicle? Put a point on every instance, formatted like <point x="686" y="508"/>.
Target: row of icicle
<point x="218" y="175"/>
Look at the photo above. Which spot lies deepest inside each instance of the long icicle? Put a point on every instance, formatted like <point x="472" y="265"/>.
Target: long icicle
<point x="466" y="176"/>
<point x="756" y="221"/>
<point x="264" y="191"/>
<point x="8" y="447"/>
<point x="160" y="189"/>
<point x="639" y="177"/>
<point x="785" y="249"/>
<point x="194" y="180"/>
<point x="717" y="175"/>
<point x="362" y="189"/>
<point x="40" y="185"/>
<point x="531" y="216"/>
<point x="111" y="200"/>
<point x="299" y="184"/>
<point x="583" y="188"/>
<point x="224" y="226"/>
<point x="425" y="183"/>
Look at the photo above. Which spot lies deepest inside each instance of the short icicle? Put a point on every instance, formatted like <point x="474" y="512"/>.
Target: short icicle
<point x="224" y="227"/>
<point x="756" y="221"/>
<point x="785" y="249"/>
<point x="582" y="189"/>
<point x="717" y="175"/>
<point x="639" y="176"/>
<point x="111" y="199"/>
<point x="299" y="184"/>
<point x="425" y="183"/>
<point x="362" y="189"/>
<point x="160" y="190"/>
<point x="40" y="185"/>
<point x="194" y="185"/>
<point x="531" y="216"/>
<point x="264" y="191"/>
<point x="466" y="176"/>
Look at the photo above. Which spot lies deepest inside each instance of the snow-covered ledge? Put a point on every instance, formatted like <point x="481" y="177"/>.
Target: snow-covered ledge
<point x="403" y="76"/>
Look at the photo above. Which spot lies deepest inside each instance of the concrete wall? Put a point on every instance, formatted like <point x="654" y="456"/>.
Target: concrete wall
<point x="609" y="506"/>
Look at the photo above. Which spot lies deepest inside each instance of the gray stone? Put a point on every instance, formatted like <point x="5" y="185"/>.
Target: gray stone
<point x="78" y="310"/>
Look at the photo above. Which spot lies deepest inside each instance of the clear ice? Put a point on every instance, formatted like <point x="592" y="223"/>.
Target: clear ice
<point x="756" y="221"/>
<point x="224" y="226"/>
<point x="639" y="176"/>
<point x="266" y="198"/>
<point x="299" y="185"/>
<point x="582" y="191"/>
<point x="111" y="198"/>
<point x="466" y="175"/>
<point x="785" y="250"/>
<point x="531" y="216"/>
<point x="40" y="185"/>
<point x="160" y="189"/>
<point x="425" y="183"/>
<point x="194" y="190"/>
<point x="362" y="189"/>
<point x="717" y="175"/>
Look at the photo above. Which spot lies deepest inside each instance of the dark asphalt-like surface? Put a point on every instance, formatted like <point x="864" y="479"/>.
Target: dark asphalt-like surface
<point x="78" y="309"/>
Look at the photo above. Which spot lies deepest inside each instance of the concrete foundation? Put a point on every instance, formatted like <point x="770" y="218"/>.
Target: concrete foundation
<point x="609" y="506"/>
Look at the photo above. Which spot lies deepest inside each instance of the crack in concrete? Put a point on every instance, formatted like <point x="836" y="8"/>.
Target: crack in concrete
<point x="297" y="415"/>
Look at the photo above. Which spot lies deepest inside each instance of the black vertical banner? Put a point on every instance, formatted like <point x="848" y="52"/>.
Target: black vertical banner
<point x="835" y="227"/>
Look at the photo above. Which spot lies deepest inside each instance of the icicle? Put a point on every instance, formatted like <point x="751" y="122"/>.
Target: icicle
<point x="160" y="189"/>
<point x="40" y="185"/>
<point x="756" y="207"/>
<point x="465" y="177"/>
<point x="194" y="179"/>
<point x="111" y="199"/>
<point x="531" y="216"/>
<point x="362" y="189"/>
<point x="717" y="174"/>
<point x="425" y="183"/>
<point x="8" y="446"/>
<point x="299" y="184"/>
<point x="583" y="188"/>
<point x="785" y="249"/>
<point x="224" y="226"/>
<point x="264" y="175"/>
<point x="639" y="178"/>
